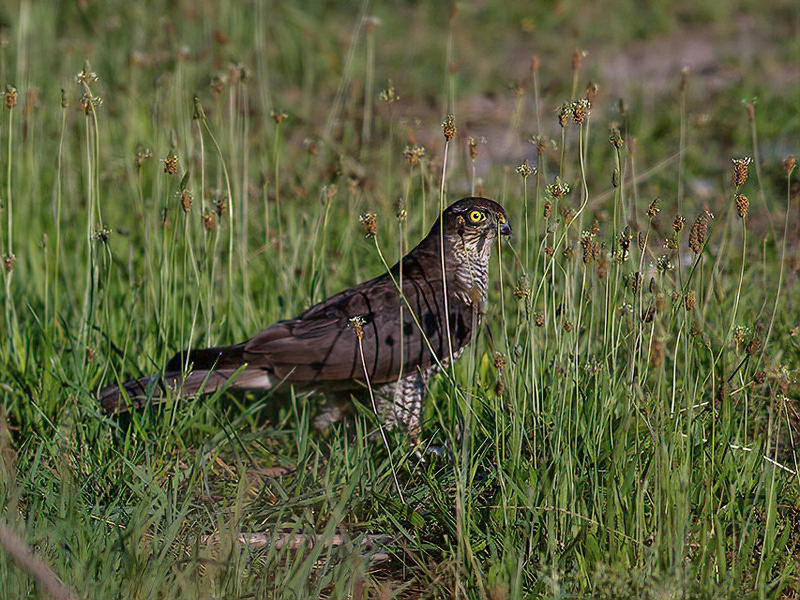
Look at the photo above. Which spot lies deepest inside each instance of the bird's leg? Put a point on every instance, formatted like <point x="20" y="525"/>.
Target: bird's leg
<point x="400" y="404"/>
<point x="336" y="408"/>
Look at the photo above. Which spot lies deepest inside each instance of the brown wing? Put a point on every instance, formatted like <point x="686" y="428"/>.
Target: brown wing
<point x="320" y="346"/>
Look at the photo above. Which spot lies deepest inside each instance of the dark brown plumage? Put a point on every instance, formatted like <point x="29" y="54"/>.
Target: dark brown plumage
<point x="319" y="350"/>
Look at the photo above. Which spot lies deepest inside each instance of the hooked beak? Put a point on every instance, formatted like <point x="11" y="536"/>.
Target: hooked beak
<point x="505" y="228"/>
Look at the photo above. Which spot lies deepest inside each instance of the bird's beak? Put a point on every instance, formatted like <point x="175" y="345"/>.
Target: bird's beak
<point x="505" y="228"/>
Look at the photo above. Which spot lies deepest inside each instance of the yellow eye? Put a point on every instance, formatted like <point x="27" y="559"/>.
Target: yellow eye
<point x="476" y="216"/>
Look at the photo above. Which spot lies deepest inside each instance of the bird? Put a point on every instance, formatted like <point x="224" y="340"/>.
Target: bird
<point x="387" y="336"/>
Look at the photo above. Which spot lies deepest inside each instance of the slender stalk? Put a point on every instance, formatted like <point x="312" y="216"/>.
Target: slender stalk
<point x="59" y="184"/>
<point x="359" y="334"/>
<point x="9" y="258"/>
<point x="782" y="261"/>
<point x="442" y="258"/>
<point x="369" y="82"/>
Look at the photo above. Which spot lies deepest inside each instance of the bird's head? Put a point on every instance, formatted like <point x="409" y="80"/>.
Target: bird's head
<point x="474" y="222"/>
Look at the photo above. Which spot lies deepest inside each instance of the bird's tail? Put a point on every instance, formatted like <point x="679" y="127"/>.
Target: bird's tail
<point x="206" y="371"/>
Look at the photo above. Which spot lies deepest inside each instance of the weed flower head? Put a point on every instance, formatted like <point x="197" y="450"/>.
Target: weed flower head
<point x="602" y="262"/>
<point x="540" y="141"/>
<point x="625" y="244"/>
<point x="9" y="260"/>
<point x="581" y="109"/>
<point x="171" y="163"/>
<point x="198" y="114"/>
<point x="699" y="231"/>
<point x="690" y="301"/>
<point x="10" y="97"/>
<point x="615" y="137"/>
<point x="217" y="84"/>
<point x="142" y="154"/>
<point x="369" y="223"/>
<point x="101" y="234"/>
<point x="86" y="76"/>
<point x="750" y="107"/>
<point x="740" y="168"/>
<point x="558" y="189"/>
<point x="221" y="204"/>
<point x="402" y="210"/>
<point x="185" y="196"/>
<point x="522" y="289"/>
<point x="592" y="89"/>
<point x="789" y="164"/>
<point x="653" y="209"/>
<point x="89" y="103"/>
<point x="548" y="209"/>
<point x="329" y="193"/>
<point x="563" y="114"/>
<point x="742" y="205"/>
<point x="590" y="249"/>
<point x="525" y="170"/>
<point x="577" y="59"/>
<point x="357" y="323"/>
<point x="413" y="155"/>
<point x="449" y="127"/>
<point x="473" y="148"/>
<point x="389" y="93"/>
<point x="740" y="335"/>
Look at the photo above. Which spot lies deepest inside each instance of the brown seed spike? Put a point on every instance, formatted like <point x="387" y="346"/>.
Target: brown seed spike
<point x="581" y="109"/>
<point x="473" y="148"/>
<point x="369" y="223"/>
<point x="742" y="205"/>
<point x="740" y="168"/>
<point x="278" y="116"/>
<point x="10" y="97"/>
<point x="684" y="79"/>
<point x="699" y="232"/>
<point x="789" y="164"/>
<point x="449" y="127"/>
<point x="186" y="200"/>
<point x="690" y="301"/>
<point x="357" y="324"/>
<point x="591" y="92"/>
<point x="9" y="260"/>
<point x="563" y="114"/>
<point x="171" y="163"/>
<point x="751" y="111"/>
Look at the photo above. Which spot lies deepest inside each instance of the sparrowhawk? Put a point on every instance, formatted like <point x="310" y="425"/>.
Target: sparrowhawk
<point x="401" y="340"/>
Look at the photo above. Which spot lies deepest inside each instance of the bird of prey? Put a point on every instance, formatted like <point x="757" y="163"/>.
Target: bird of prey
<point x="400" y="340"/>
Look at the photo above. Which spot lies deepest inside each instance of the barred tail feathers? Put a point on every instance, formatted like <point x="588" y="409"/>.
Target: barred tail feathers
<point x="209" y="369"/>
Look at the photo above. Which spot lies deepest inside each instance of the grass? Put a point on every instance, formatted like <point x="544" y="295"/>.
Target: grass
<point x="628" y="410"/>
